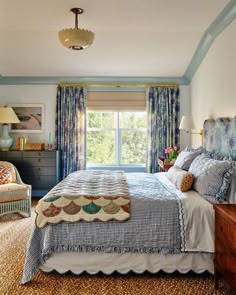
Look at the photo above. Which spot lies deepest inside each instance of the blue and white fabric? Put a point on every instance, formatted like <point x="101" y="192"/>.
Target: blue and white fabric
<point x="212" y="177"/>
<point x="156" y="226"/>
<point x="163" y="114"/>
<point x="70" y="128"/>
<point x="185" y="159"/>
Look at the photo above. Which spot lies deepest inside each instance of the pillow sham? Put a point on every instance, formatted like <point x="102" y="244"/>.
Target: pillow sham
<point x="200" y="148"/>
<point x="218" y="156"/>
<point x="182" y="179"/>
<point x="211" y="177"/>
<point x="185" y="158"/>
<point x="5" y="175"/>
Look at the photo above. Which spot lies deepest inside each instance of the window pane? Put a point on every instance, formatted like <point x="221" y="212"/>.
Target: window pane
<point x="133" y="147"/>
<point x="101" y="120"/>
<point x="108" y="120"/>
<point x="94" y="120"/>
<point x="133" y="120"/>
<point x="101" y="147"/>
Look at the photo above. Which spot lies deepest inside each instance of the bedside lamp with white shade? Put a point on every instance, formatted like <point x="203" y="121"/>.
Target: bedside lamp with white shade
<point x="7" y="116"/>
<point x="186" y="124"/>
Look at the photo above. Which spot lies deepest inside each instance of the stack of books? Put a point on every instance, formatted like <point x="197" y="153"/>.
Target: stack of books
<point x="21" y="141"/>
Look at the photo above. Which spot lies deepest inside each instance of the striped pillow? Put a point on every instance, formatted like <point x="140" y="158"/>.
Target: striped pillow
<point x="212" y="177"/>
<point x="185" y="159"/>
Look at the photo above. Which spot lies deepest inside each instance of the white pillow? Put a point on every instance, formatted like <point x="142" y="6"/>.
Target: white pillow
<point x="185" y="159"/>
<point x="183" y="180"/>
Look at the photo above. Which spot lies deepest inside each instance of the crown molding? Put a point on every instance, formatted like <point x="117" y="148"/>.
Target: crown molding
<point x="225" y="18"/>
<point x="52" y="80"/>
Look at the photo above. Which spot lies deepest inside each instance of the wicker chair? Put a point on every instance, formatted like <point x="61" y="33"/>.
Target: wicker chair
<point x="15" y="195"/>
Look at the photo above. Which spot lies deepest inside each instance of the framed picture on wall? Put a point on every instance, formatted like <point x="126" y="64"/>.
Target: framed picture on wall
<point x="31" y="118"/>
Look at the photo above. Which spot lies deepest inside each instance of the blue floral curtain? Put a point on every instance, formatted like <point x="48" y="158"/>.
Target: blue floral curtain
<point x="163" y="122"/>
<point x="70" y="127"/>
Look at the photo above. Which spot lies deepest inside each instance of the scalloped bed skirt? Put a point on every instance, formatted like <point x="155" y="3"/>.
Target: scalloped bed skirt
<point x="92" y="262"/>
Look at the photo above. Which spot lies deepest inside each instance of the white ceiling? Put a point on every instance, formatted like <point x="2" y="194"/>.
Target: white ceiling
<point x="152" y="38"/>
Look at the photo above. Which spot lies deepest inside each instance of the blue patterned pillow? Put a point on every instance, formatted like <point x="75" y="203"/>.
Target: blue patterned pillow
<point x="212" y="177"/>
<point x="185" y="158"/>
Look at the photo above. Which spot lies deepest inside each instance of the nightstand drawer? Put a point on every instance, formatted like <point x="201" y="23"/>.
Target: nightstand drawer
<point x="219" y="253"/>
<point x="226" y="232"/>
<point x="225" y="258"/>
<point x="221" y="228"/>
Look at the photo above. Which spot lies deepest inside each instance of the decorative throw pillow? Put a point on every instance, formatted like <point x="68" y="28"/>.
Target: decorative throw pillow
<point x="183" y="180"/>
<point x="212" y="177"/>
<point x="185" y="158"/>
<point x="200" y="148"/>
<point x="218" y="156"/>
<point x="5" y="175"/>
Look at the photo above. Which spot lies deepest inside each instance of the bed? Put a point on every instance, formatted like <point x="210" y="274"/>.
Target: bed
<point x="161" y="225"/>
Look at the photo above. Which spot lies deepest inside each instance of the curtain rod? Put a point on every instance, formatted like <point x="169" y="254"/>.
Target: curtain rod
<point x="116" y="85"/>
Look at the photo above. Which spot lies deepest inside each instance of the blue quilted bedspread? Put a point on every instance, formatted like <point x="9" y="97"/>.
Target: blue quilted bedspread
<point x="155" y="226"/>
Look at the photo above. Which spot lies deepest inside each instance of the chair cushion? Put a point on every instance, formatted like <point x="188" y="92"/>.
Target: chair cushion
<point x="13" y="192"/>
<point x="7" y="172"/>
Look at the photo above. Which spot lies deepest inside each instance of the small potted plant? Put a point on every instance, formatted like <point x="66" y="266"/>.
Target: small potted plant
<point x="171" y="153"/>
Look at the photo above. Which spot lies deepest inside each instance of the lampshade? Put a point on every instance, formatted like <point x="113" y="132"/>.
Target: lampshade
<point x="7" y="116"/>
<point x="76" y="39"/>
<point x="186" y="123"/>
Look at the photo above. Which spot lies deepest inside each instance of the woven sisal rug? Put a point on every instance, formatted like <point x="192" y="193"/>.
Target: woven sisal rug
<point x="14" y="234"/>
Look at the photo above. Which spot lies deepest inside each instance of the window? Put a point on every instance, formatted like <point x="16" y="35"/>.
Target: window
<point x="116" y="138"/>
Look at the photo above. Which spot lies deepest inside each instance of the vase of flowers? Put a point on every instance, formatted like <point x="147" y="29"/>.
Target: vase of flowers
<point x="172" y="153"/>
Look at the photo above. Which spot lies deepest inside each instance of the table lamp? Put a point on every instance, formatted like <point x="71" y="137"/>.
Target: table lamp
<point x="7" y="116"/>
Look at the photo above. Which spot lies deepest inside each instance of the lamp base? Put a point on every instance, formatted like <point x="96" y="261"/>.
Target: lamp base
<point x="5" y="140"/>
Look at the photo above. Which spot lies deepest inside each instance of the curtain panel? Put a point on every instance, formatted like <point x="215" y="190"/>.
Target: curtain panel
<point x="163" y="109"/>
<point x="70" y="127"/>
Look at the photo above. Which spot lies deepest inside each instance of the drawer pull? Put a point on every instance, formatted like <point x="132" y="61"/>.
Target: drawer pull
<point x="39" y="160"/>
<point x="221" y="228"/>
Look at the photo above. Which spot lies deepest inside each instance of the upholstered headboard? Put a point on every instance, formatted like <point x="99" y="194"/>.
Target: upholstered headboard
<point x="220" y="136"/>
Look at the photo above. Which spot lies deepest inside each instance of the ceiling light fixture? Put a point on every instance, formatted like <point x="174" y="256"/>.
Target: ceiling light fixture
<point x="76" y="39"/>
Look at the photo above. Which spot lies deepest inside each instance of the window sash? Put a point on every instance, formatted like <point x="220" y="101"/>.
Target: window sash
<point x="118" y="141"/>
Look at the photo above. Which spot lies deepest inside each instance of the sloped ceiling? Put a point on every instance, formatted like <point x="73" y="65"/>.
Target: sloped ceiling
<point x="152" y="38"/>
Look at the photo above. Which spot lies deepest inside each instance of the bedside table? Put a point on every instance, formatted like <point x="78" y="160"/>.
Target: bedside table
<point x="225" y="244"/>
<point x="163" y="166"/>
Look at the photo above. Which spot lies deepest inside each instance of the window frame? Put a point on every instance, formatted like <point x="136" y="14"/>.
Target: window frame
<point x="118" y="140"/>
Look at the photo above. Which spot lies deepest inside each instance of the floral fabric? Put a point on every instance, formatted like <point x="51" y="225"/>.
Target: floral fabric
<point x="163" y="122"/>
<point x="70" y="127"/>
<point x="220" y="136"/>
